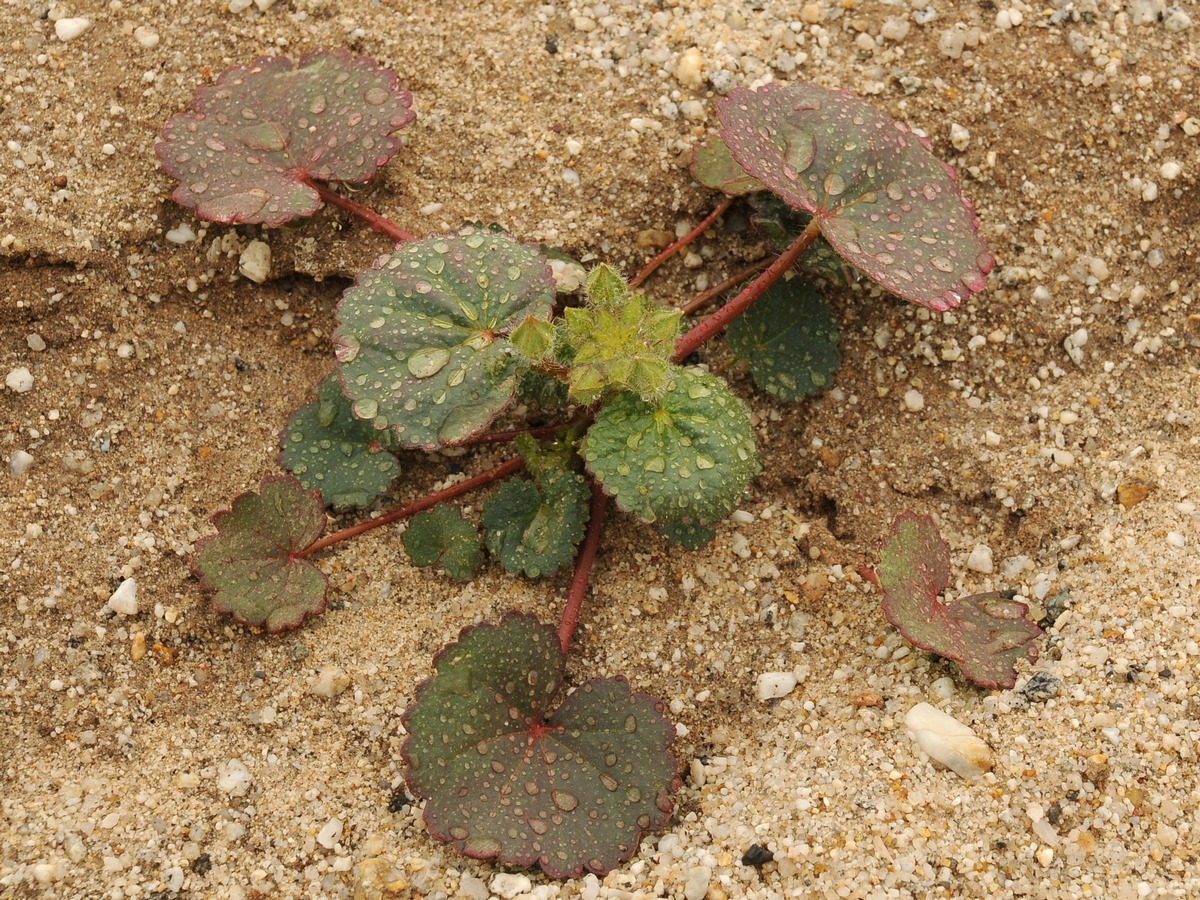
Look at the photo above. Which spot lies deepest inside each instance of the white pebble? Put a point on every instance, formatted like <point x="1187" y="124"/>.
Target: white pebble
<point x="147" y="37"/>
<point x="181" y="234"/>
<point x="124" y="599"/>
<point x="19" y="462"/>
<point x="951" y="42"/>
<point x="894" y="29"/>
<point x="509" y="884"/>
<point x="1045" y="855"/>
<point x="914" y="400"/>
<point x="329" y="683"/>
<point x="960" y="138"/>
<point x="980" y="559"/>
<point x="773" y="685"/>
<point x="264" y="5"/>
<point x="573" y="147"/>
<point x="696" y="885"/>
<point x="234" y="779"/>
<point x="71" y="28"/>
<point x="255" y="261"/>
<point x="1170" y="170"/>
<point x="689" y="71"/>
<point x="237" y="6"/>
<point x="35" y="342"/>
<point x="570" y="176"/>
<point x="948" y="741"/>
<point x="108" y="149"/>
<point x="1176" y="539"/>
<point x="19" y="380"/>
<point x="693" y="110"/>
<point x="1063" y="458"/>
<point x="1149" y="192"/>
<point x="329" y="834"/>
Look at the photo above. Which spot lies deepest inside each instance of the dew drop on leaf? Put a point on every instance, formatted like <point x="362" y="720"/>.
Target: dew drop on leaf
<point x="366" y="409"/>
<point x="630" y="724"/>
<point x="834" y="184"/>
<point x="565" y="800"/>
<point x="428" y="362"/>
<point x="376" y="96"/>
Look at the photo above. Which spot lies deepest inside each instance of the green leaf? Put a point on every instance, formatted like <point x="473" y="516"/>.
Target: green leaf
<point x="423" y="340"/>
<point x="781" y="225"/>
<point x="534" y="338"/>
<point x="714" y="167"/>
<point x="327" y="448"/>
<point x="442" y="535"/>
<point x="533" y="527"/>
<point x="507" y="776"/>
<point x="686" y="459"/>
<point x="690" y="537"/>
<point x="881" y="199"/>
<point x="986" y="634"/>
<point x="790" y="338"/>
<point x="252" y="140"/>
<point x="252" y="564"/>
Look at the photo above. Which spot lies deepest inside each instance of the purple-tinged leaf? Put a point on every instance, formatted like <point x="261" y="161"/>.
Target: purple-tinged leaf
<point x="253" y="563"/>
<point x="507" y="776"/>
<point x="714" y="167"/>
<point x="882" y="200"/>
<point x="986" y="634"/>
<point x="254" y="140"/>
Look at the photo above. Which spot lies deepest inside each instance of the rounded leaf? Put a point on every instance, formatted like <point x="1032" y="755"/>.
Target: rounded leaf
<point x="327" y="448"/>
<point x="442" y="535"/>
<point x="252" y="141"/>
<point x="423" y="341"/>
<point x="790" y="339"/>
<point x="714" y="167"/>
<point x="882" y="200"/>
<point x="505" y="777"/>
<point x="685" y="459"/>
<point x="534" y="528"/>
<point x="252" y="564"/>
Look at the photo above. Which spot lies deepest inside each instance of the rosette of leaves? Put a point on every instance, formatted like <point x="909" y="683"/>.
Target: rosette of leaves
<point x="620" y="341"/>
<point x="510" y="773"/>
<point x="790" y="340"/>
<point x="255" y="566"/>
<point x="685" y="458"/>
<point x="423" y="340"/>
<point x="327" y="448"/>
<point x="256" y="139"/>
<point x="986" y="634"/>
<point x="880" y="198"/>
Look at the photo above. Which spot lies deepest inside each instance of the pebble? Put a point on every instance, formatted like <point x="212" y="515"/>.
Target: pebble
<point x="1009" y="18"/>
<point x="234" y="779"/>
<point x="509" y="884"/>
<point x="19" y="380"/>
<point x="1176" y="539"/>
<point x="949" y="742"/>
<point x="19" y="462"/>
<point x="181" y="234"/>
<point x="810" y="13"/>
<point x="960" y="138"/>
<point x="71" y="28"/>
<point x="773" y="685"/>
<point x="330" y="682"/>
<point x="35" y="341"/>
<point x="124" y="599"/>
<point x="255" y="261"/>
<point x="689" y="71"/>
<point x="914" y="400"/>
<point x="696" y="885"/>
<point x="146" y="37"/>
<point x="328" y="836"/>
<point x="894" y="29"/>
<point x="1064" y="459"/>
<point x="1170" y="170"/>
<point x="471" y="887"/>
<point x="951" y="42"/>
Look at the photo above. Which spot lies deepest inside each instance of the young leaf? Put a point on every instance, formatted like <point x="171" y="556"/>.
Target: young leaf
<point x="252" y="564"/>
<point x="985" y="634"/>
<point x="253" y="141"/>
<point x="789" y="338"/>
<point x="507" y="776"/>
<point x="685" y="459"/>
<point x="714" y="167"/>
<point x="423" y="340"/>
<point x="533" y="527"/>
<point x="330" y="450"/>
<point x="882" y="200"/>
<point x="442" y="535"/>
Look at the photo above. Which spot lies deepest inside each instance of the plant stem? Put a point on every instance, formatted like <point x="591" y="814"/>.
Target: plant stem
<point x="688" y="343"/>
<point x="456" y="490"/>
<point x="718" y="289"/>
<point x="649" y="268"/>
<point x="583" y="567"/>
<point x="379" y="223"/>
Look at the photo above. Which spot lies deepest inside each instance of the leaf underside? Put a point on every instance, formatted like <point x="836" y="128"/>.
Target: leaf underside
<point x="422" y="340"/>
<point x="986" y="634"/>
<point x="251" y="563"/>
<point x="790" y="339"/>
<point x="506" y="776"/>
<point x="882" y="200"/>
<point x="533" y="527"/>
<point x="442" y="535"/>
<point x="683" y="460"/>
<point x="327" y="448"/>
<point x="253" y="139"/>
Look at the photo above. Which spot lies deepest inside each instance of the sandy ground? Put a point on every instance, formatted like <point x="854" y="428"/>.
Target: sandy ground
<point x="207" y="767"/>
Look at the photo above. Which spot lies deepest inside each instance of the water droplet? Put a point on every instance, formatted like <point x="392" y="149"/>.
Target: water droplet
<point x="941" y="263"/>
<point x="894" y="190"/>
<point x="474" y="241"/>
<point x="378" y="322"/>
<point x="497" y="766"/>
<point x="537" y="826"/>
<point x="703" y="462"/>
<point x="376" y="96"/>
<point x="514" y="273"/>
<point x="610" y="759"/>
<point x="930" y="192"/>
<point x="565" y="800"/>
<point x="213" y="144"/>
<point x="354" y="119"/>
<point x="630" y="724"/>
<point x="428" y="361"/>
<point x="834" y="184"/>
<point x="798" y="149"/>
<point x="459" y="833"/>
<point x="318" y="105"/>
<point x="532" y="789"/>
<point x="634" y="795"/>
<point x="609" y="782"/>
<point x="657" y="464"/>
<point x="366" y="409"/>
<point x="422" y="287"/>
<point x="198" y="187"/>
<point x="951" y="299"/>
<point x="886" y="258"/>
<point x="435" y="265"/>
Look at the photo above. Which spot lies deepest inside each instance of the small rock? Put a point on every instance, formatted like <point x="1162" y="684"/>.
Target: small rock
<point x="330" y="682"/>
<point x="960" y="138"/>
<point x="234" y="779"/>
<point x="689" y="71"/>
<point x="181" y="234"/>
<point x="137" y="648"/>
<point x="146" y="37"/>
<point x="1170" y="170"/>
<point x="894" y="29"/>
<point x="1040" y="687"/>
<point x="655" y="238"/>
<point x="509" y="884"/>
<point x="19" y="462"/>
<point x="471" y="888"/>
<point x="810" y="13"/>
<point x="264" y="5"/>
<point x="951" y="43"/>
<point x="696" y="885"/>
<point x="1177" y="20"/>
<point x="328" y="836"/>
<point x="35" y="342"/>
<point x="948" y="741"/>
<point x="19" y="380"/>
<point x="757" y="855"/>
<point x="255" y="261"/>
<point x="914" y="400"/>
<point x="71" y="28"/>
<point x="124" y="599"/>
<point x="772" y="685"/>
<point x="980" y="560"/>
